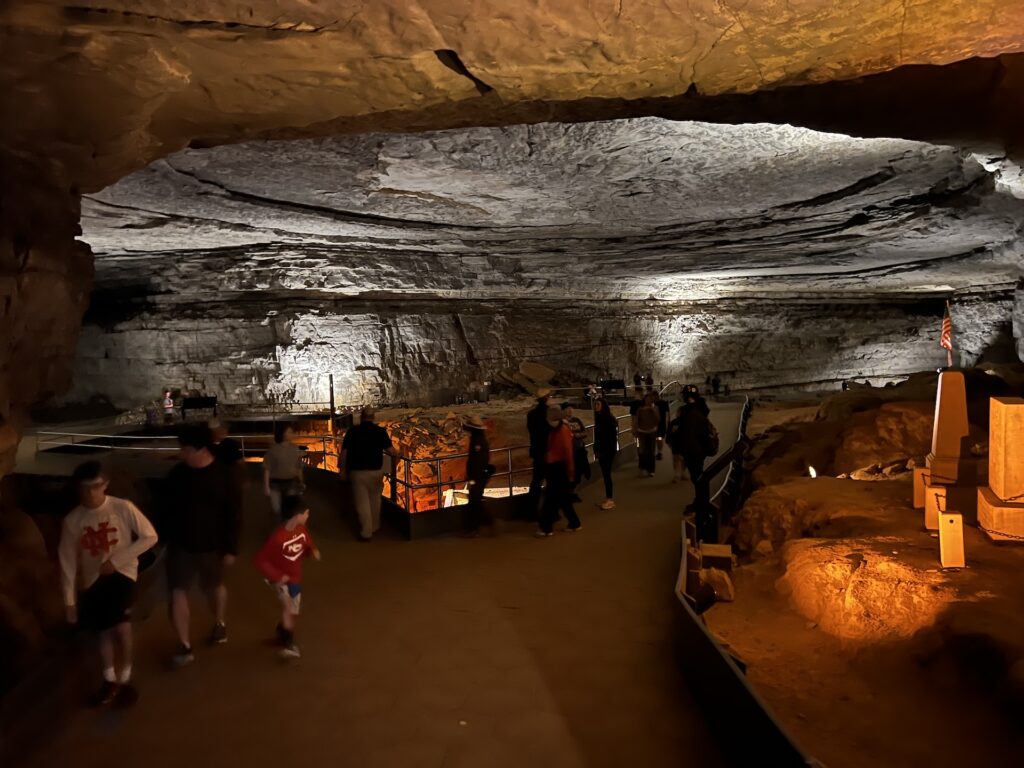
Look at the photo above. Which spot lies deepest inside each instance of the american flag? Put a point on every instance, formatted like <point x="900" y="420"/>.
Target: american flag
<point x="946" y="337"/>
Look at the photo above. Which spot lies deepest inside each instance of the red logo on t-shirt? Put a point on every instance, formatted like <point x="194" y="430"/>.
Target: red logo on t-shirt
<point x="99" y="540"/>
<point x="293" y="548"/>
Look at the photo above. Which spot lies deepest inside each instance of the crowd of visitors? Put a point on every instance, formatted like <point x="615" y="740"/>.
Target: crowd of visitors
<point x="200" y="512"/>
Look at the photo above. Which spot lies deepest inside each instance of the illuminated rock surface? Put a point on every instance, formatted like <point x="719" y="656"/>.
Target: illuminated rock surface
<point x="412" y="267"/>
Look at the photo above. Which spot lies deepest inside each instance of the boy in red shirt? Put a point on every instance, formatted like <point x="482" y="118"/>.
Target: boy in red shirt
<point x="280" y="562"/>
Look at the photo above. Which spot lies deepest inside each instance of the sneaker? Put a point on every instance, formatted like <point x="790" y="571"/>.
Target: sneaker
<point x="105" y="695"/>
<point x="127" y="695"/>
<point x="183" y="656"/>
<point x="608" y="504"/>
<point x="218" y="635"/>
<point x="290" y="651"/>
<point x="577" y="529"/>
<point x="543" y="534"/>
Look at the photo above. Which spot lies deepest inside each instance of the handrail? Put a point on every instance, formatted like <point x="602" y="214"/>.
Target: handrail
<point x="325" y="440"/>
<point x="438" y="482"/>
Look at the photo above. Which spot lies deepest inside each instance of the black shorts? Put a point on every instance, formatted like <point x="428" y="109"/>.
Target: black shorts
<point x="106" y="603"/>
<point x="183" y="568"/>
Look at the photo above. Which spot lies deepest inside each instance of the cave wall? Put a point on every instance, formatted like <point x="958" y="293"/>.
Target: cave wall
<point x="424" y="352"/>
<point x="45" y="278"/>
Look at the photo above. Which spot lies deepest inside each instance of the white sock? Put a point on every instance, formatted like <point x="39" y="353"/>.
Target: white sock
<point x="108" y="675"/>
<point x="126" y="674"/>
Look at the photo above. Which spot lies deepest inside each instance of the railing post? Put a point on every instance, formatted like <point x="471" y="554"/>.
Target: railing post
<point x="439" y="497"/>
<point x="408" y="504"/>
<point x="394" y="480"/>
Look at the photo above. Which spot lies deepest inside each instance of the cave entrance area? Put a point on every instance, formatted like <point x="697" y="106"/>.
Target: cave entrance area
<point x="418" y="268"/>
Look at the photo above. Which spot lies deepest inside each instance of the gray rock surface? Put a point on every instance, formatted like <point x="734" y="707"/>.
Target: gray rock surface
<point x="411" y="265"/>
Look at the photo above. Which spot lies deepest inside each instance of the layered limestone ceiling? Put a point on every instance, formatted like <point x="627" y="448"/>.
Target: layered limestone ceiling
<point x="103" y="87"/>
<point x="639" y="208"/>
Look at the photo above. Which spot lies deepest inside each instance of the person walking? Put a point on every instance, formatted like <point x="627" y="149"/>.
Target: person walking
<point x="606" y="446"/>
<point x="537" y="428"/>
<point x="280" y="562"/>
<point x="478" y="471"/>
<point x="645" y="427"/>
<point x="716" y="384"/>
<point x="100" y="544"/>
<point x="579" y="449"/>
<point x="663" y="408"/>
<point x="203" y="517"/>
<point x="282" y="468"/>
<point x="638" y="380"/>
<point x="225" y="449"/>
<point x="634" y="406"/>
<point x="674" y="439"/>
<point x="558" y="473"/>
<point x="695" y="427"/>
<point x="362" y="460"/>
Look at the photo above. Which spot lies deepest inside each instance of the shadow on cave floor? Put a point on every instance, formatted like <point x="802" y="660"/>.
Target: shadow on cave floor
<point x="505" y="651"/>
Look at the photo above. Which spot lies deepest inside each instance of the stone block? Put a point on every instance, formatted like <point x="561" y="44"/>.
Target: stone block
<point x="951" y="540"/>
<point x="716" y="556"/>
<point x="950" y="430"/>
<point x="1006" y="447"/>
<point x="998" y="518"/>
<point x="934" y="504"/>
<point x="921" y="475"/>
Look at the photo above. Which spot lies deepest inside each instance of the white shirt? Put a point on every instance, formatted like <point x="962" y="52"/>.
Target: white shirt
<point x="116" y="531"/>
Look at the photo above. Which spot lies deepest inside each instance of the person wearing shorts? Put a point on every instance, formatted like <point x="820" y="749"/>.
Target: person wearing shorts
<point x="100" y="544"/>
<point x="280" y="562"/>
<point x="203" y="520"/>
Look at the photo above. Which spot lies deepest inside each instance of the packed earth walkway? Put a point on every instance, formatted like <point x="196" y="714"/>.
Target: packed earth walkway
<point x="445" y="652"/>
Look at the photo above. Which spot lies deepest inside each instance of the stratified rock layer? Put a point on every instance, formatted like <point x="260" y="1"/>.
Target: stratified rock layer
<point x="415" y="267"/>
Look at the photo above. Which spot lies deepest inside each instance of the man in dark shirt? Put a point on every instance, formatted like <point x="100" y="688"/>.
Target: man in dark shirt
<point x="225" y="449"/>
<point x="538" y="429"/>
<point x="203" y="520"/>
<point x="362" y="459"/>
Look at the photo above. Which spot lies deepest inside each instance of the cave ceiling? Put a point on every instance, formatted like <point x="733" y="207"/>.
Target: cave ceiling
<point x="634" y="209"/>
<point x="100" y="88"/>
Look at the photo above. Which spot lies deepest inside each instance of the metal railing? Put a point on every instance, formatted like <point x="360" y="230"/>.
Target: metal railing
<point x="402" y="487"/>
<point x="47" y="440"/>
<point x="401" y="476"/>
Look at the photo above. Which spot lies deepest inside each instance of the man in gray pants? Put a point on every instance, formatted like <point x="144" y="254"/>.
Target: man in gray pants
<point x="362" y="459"/>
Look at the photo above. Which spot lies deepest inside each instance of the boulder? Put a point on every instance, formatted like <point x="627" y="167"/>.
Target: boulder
<point x="536" y="372"/>
<point x="857" y="593"/>
<point x="822" y="506"/>
<point x="894" y="432"/>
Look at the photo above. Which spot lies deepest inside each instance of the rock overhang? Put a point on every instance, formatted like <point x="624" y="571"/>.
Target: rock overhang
<point x="636" y="208"/>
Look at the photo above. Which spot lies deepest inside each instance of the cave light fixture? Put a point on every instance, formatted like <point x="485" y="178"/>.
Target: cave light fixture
<point x="812" y="472"/>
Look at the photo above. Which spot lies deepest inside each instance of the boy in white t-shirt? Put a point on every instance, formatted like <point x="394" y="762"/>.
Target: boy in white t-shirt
<point x="100" y="544"/>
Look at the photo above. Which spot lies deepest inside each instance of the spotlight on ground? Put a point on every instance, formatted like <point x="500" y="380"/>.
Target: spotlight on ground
<point x="812" y="472"/>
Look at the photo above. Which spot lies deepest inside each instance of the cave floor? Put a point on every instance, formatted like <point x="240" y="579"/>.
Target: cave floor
<point x="935" y="698"/>
<point x="440" y="652"/>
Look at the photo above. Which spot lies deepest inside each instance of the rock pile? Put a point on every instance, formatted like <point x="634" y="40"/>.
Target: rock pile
<point x="530" y="376"/>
